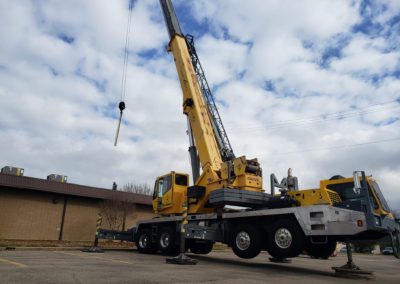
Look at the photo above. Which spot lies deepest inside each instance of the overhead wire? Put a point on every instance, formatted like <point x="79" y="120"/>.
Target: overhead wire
<point x="319" y="118"/>
<point x="330" y="117"/>
<point x="339" y="117"/>
<point x="339" y="146"/>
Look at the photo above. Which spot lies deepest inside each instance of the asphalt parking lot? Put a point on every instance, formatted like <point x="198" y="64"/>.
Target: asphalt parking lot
<point x="73" y="266"/>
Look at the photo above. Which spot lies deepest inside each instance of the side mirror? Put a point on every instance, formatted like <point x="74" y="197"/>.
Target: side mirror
<point x="357" y="184"/>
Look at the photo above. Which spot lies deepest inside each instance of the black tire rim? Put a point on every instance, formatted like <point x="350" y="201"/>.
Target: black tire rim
<point x="165" y="240"/>
<point x="143" y="240"/>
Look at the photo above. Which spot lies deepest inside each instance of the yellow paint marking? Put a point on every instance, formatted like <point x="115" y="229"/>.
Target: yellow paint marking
<point x="95" y="257"/>
<point x="21" y="265"/>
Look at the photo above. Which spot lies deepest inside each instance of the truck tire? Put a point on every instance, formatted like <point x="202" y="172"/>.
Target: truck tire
<point x="246" y="241"/>
<point x="323" y="251"/>
<point x="285" y="239"/>
<point x="144" y="243"/>
<point x="166" y="241"/>
<point x="395" y="238"/>
<point x="204" y="247"/>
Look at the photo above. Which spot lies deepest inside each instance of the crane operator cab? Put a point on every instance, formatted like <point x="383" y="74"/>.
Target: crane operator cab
<point x="170" y="193"/>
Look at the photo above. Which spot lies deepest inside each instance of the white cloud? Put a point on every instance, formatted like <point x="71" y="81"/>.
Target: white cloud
<point x="266" y="58"/>
<point x="367" y="56"/>
<point x="223" y="59"/>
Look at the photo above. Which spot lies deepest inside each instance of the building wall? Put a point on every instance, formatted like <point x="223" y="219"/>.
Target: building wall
<point x="28" y="215"/>
<point x="139" y="212"/>
<point x="80" y="219"/>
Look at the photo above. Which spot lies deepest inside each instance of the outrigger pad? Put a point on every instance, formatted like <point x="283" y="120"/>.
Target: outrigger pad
<point x="351" y="270"/>
<point x="280" y="260"/>
<point x="181" y="259"/>
<point x="93" y="250"/>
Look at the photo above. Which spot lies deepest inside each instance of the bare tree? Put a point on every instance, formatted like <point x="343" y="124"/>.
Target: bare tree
<point x="138" y="188"/>
<point x="114" y="213"/>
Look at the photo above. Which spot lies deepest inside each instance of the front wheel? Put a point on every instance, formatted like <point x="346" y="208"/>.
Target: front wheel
<point x="246" y="241"/>
<point x="285" y="239"/>
<point x="166" y="241"/>
<point x="144" y="243"/>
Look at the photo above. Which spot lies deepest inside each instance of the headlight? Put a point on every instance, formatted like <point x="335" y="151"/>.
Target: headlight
<point x="377" y="221"/>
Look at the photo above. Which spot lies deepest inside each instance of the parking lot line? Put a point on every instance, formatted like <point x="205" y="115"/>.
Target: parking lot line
<point x="95" y="257"/>
<point x="21" y="265"/>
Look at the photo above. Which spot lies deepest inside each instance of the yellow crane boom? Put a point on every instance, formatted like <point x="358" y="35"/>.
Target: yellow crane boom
<point x="220" y="168"/>
<point x="194" y="106"/>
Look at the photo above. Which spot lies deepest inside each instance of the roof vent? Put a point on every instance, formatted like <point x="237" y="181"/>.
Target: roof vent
<point x="58" y="178"/>
<point x="8" y="170"/>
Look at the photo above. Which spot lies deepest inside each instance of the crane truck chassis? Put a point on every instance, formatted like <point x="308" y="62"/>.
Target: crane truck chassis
<point x="283" y="232"/>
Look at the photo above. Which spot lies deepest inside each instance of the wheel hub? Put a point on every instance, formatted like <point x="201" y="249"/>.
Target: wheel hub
<point x="143" y="241"/>
<point x="283" y="238"/>
<point x="243" y="240"/>
<point x="164" y="240"/>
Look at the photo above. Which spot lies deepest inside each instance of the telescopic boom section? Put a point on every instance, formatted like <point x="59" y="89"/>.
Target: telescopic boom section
<point x="194" y="105"/>
<point x="170" y="18"/>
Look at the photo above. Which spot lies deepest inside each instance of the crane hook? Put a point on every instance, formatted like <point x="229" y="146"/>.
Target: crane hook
<point x="121" y="107"/>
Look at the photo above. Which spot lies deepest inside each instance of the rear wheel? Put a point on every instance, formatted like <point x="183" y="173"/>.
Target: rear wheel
<point x="285" y="239"/>
<point x="144" y="243"/>
<point x="395" y="237"/>
<point x="166" y="241"/>
<point x="320" y="250"/>
<point x="203" y="247"/>
<point x="246" y="241"/>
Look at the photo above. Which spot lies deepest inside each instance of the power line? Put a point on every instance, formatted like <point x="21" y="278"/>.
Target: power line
<point x="339" y="146"/>
<point x="319" y="118"/>
<point x="294" y="124"/>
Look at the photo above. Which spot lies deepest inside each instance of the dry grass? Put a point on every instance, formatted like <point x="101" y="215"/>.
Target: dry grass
<point x="79" y="244"/>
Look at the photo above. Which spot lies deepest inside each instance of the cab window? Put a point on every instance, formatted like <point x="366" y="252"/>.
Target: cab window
<point x="181" y="180"/>
<point x="167" y="183"/>
<point x="380" y="196"/>
<point x="155" y="192"/>
<point x="160" y="187"/>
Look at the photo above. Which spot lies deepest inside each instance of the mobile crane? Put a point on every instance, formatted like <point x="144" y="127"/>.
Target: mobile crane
<point x="283" y="224"/>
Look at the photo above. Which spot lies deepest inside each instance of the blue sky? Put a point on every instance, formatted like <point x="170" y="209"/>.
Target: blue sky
<point x="312" y="85"/>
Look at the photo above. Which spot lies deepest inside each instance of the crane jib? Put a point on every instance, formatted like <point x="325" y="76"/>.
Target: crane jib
<point x="224" y="145"/>
<point x="170" y="18"/>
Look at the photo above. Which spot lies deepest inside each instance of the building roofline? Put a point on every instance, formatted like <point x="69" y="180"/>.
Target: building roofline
<point x="42" y="185"/>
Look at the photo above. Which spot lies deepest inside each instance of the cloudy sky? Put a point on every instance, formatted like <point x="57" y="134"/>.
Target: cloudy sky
<point x="312" y="85"/>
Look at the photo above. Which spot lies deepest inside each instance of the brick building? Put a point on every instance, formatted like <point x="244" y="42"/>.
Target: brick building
<point x="38" y="209"/>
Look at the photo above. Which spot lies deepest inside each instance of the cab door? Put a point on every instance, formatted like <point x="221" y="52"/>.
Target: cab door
<point x="163" y="193"/>
<point x="167" y="192"/>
